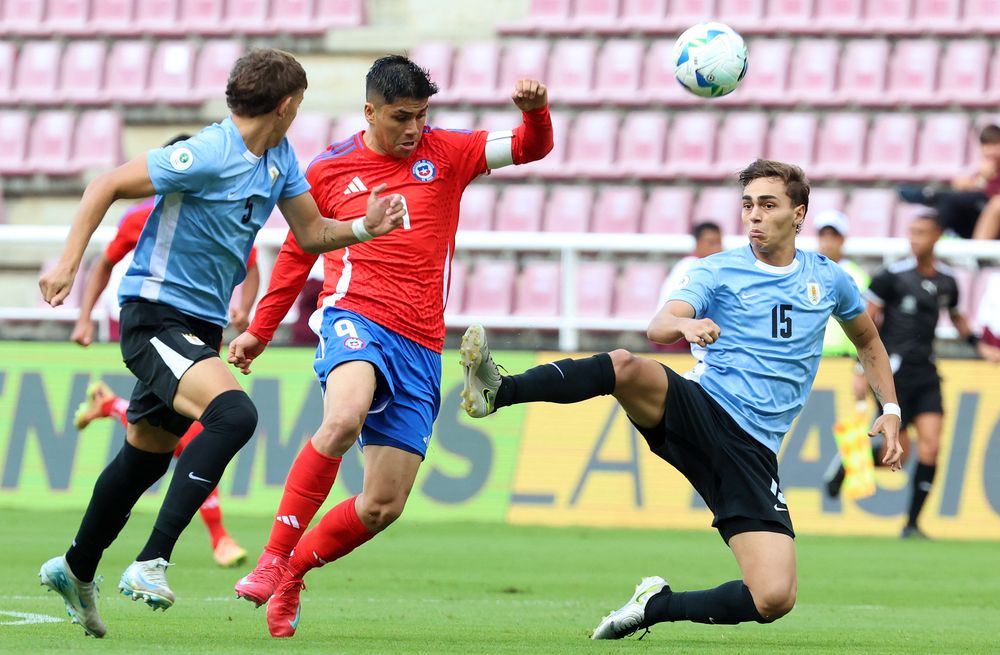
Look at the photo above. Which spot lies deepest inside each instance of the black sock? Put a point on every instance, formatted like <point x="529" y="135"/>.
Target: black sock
<point x="923" y="479"/>
<point x="229" y="422"/>
<point x="565" y="381"/>
<point x="728" y="604"/>
<point x="119" y="486"/>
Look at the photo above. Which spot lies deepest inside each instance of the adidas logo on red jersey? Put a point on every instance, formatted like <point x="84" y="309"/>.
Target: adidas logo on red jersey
<point x="356" y="186"/>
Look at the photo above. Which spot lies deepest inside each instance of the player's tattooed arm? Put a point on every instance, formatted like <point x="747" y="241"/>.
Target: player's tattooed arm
<point x="316" y="234"/>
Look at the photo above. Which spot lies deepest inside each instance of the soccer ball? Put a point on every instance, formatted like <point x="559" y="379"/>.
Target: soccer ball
<point x="710" y="59"/>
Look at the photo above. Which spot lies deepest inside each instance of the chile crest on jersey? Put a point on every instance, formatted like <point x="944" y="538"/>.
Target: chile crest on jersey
<point x="424" y="170"/>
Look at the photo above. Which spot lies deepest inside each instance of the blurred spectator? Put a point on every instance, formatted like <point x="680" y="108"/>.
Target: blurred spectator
<point x="707" y="241"/>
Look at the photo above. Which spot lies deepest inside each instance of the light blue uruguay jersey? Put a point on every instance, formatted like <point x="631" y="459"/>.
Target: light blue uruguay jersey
<point x="772" y="321"/>
<point x="213" y="195"/>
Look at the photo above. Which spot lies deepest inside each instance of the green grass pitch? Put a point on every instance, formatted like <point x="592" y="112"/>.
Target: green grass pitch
<point x="470" y="588"/>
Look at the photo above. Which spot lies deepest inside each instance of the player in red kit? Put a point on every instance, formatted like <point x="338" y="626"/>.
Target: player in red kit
<point x="380" y="320"/>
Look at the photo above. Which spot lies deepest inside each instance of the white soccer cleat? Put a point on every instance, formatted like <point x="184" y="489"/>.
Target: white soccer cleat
<point x="482" y="378"/>
<point x="148" y="581"/>
<point x="626" y="620"/>
<point x="80" y="597"/>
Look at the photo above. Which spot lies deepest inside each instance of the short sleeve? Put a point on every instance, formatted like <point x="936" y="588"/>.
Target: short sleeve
<point x="252" y="257"/>
<point x="881" y="290"/>
<point x="467" y="149"/>
<point x="849" y="303"/>
<point x="184" y="166"/>
<point x="696" y="288"/>
<point x="295" y="182"/>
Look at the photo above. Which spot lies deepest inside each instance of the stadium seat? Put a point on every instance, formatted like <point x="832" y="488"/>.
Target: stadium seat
<point x="637" y="291"/>
<point x="792" y="138"/>
<point x="789" y="15"/>
<point x="246" y="17"/>
<point x="595" y="287"/>
<point x="113" y="17"/>
<point x="543" y="16"/>
<point x="494" y="289"/>
<point x="658" y="82"/>
<point x="519" y="208"/>
<point x="215" y="59"/>
<point x="839" y="16"/>
<point x="641" y="143"/>
<point x="478" y="204"/>
<point x="569" y="209"/>
<point x="571" y="71"/>
<point x="537" y="292"/>
<point x="888" y="17"/>
<point x="339" y="14"/>
<point x="294" y="17"/>
<point x="597" y="16"/>
<point x="68" y="17"/>
<point x="309" y="135"/>
<point x="592" y="149"/>
<point x="37" y="77"/>
<point x="667" y="211"/>
<point x="171" y="77"/>
<point x="741" y="140"/>
<point x="891" y="146"/>
<point x="646" y="16"/>
<point x="50" y="147"/>
<point x="97" y="141"/>
<point x="937" y="16"/>
<point x="158" y="17"/>
<point x="23" y="18"/>
<point x="691" y="146"/>
<point x="682" y="14"/>
<point x="435" y="56"/>
<point x="474" y="75"/>
<point x="458" y="272"/>
<point x="820" y="200"/>
<point x="721" y="205"/>
<point x="448" y="120"/>
<point x="962" y="78"/>
<point x="617" y="210"/>
<point x="992" y="95"/>
<point x="619" y="72"/>
<point x="82" y="72"/>
<point x="913" y="73"/>
<point x="744" y="16"/>
<point x="768" y="84"/>
<point x="202" y="17"/>
<point x="348" y="123"/>
<point x="127" y="75"/>
<point x="8" y="55"/>
<point x="863" y="67"/>
<point x="982" y="16"/>
<point x="871" y="212"/>
<point x="813" y="78"/>
<point x="942" y="149"/>
<point x="14" y="129"/>
<point x="523" y="59"/>
<point x="841" y="147"/>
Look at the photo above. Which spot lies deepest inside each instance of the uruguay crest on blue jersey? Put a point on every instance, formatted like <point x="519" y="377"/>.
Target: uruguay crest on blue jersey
<point x="424" y="170"/>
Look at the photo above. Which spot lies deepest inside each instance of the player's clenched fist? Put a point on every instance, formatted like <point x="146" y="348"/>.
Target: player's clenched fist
<point x="56" y="284"/>
<point x="530" y="94"/>
<point x="701" y="332"/>
<point x="243" y="350"/>
<point x="385" y="213"/>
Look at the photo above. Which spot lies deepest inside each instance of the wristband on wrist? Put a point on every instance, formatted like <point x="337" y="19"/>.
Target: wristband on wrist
<point x="891" y="409"/>
<point x="361" y="233"/>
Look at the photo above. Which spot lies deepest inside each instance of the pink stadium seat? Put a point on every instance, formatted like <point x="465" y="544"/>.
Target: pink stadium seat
<point x="537" y="292"/>
<point x="160" y="17"/>
<point x="340" y="14"/>
<point x="813" y="78"/>
<point x="595" y="286"/>
<point x="82" y="72"/>
<point x="862" y="71"/>
<point x="741" y="140"/>
<point x="820" y="200"/>
<point x="571" y="70"/>
<point x="942" y="149"/>
<point x="68" y="17"/>
<point x="23" y="17"/>
<point x="543" y="16"/>
<point x="638" y="289"/>
<point x="619" y="71"/>
<point x="648" y="16"/>
<point x="435" y="56"/>
<point x="667" y="211"/>
<point x="682" y="14"/>
<point x="871" y="212"/>
<point x="14" y="130"/>
<point x="769" y="81"/>
<point x="937" y="16"/>
<point x="981" y="16"/>
<point x="494" y="289"/>
<point x="839" y="16"/>
<point x="458" y="273"/>
<point x="618" y="210"/>
<point x="113" y="17"/>
<point x="793" y="138"/>
<point x="202" y="17"/>
<point x="891" y="146"/>
<point x="246" y="17"/>
<point x="50" y="147"/>
<point x="523" y="59"/>
<point x="97" y="141"/>
<point x="691" y="146"/>
<point x="127" y="76"/>
<point x="294" y="17"/>
<point x="721" y="205"/>
<point x="744" y="16"/>
<point x="841" y="149"/>
<point x="478" y="204"/>
<point x="171" y="77"/>
<point x="592" y="148"/>
<point x="498" y="121"/>
<point x="658" y="82"/>
<point x="38" y="72"/>
<point x="913" y="73"/>
<point x="889" y="17"/>
<point x="309" y="135"/>
<point x="641" y="143"/>
<point x="449" y="120"/>
<point x="789" y="15"/>
<point x="475" y="72"/>
<point x="348" y="123"/>
<point x="569" y="209"/>
<point x="598" y="16"/>
<point x="962" y="78"/>
<point x="520" y="208"/>
<point x="8" y="55"/>
<point x="215" y="59"/>
<point x="992" y="95"/>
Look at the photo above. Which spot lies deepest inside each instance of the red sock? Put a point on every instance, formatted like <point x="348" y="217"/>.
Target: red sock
<point x="188" y="436"/>
<point x="211" y="514"/>
<point x="308" y="484"/>
<point x="116" y="407"/>
<point x="339" y="532"/>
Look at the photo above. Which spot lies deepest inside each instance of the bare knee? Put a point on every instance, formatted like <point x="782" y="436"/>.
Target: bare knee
<point x="774" y="600"/>
<point x="338" y="433"/>
<point x="626" y="366"/>
<point x="378" y="514"/>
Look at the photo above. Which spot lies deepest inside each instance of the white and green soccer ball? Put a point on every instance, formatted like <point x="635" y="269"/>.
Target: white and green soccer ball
<point x="710" y="59"/>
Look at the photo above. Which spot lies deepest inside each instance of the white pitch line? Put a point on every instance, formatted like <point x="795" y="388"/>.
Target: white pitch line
<point x="28" y="618"/>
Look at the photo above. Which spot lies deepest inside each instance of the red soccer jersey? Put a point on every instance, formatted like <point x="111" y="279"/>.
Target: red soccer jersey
<point x="399" y="280"/>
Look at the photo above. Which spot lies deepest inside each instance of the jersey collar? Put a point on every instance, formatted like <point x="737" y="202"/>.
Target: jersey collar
<point x="776" y="270"/>
<point x="235" y="131"/>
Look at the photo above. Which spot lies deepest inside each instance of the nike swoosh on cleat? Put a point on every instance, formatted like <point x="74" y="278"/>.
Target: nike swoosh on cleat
<point x="295" y="623"/>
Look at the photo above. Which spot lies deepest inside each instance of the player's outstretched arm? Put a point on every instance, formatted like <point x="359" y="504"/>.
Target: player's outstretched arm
<point x="676" y="320"/>
<point x="130" y="180"/>
<point x="875" y="360"/>
<point x="316" y="234"/>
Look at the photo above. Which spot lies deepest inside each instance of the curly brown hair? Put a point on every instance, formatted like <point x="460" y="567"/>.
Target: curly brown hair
<point x="260" y="79"/>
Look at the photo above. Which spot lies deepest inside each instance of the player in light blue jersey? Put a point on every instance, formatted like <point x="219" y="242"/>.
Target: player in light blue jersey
<point x="213" y="193"/>
<point x="760" y="311"/>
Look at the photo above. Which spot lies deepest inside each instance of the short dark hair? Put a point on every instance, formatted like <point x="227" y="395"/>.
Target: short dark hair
<point x="703" y="227"/>
<point x="261" y="79"/>
<point x="396" y="76"/>
<point x="177" y="139"/>
<point x="796" y="182"/>
<point x="989" y="134"/>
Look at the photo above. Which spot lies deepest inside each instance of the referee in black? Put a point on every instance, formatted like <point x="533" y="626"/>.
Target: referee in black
<point x="905" y="300"/>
